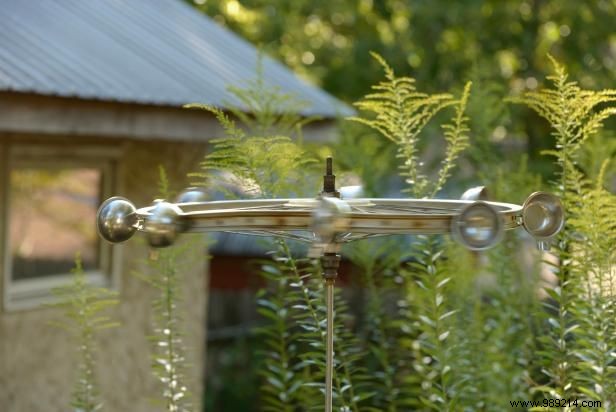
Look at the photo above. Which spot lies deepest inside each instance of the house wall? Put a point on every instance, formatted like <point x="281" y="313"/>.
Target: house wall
<point x="27" y="114"/>
<point x="37" y="361"/>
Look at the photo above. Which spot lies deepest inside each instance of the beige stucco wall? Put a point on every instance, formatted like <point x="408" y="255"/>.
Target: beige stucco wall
<point x="37" y="361"/>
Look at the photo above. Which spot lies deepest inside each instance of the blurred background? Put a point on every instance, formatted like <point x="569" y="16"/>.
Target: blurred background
<point x="91" y="97"/>
<point x="501" y="46"/>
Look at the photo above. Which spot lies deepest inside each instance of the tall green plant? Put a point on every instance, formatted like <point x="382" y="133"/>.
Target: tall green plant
<point x="400" y="114"/>
<point x="575" y="351"/>
<point x="379" y="261"/>
<point x="265" y="155"/>
<point x="169" y="364"/>
<point x="164" y="273"/>
<point x="85" y="310"/>
<point x="299" y="331"/>
<point x="594" y="221"/>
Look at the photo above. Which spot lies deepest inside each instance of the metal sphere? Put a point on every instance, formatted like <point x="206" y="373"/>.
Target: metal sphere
<point x="163" y="224"/>
<point x="116" y="219"/>
<point x="543" y="215"/>
<point x="330" y="217"/>
<point x="478" y="226"/>
<point x="192" y="195"/>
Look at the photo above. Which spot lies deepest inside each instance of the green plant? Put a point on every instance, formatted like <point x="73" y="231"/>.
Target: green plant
<point x="594" y="221"/>
<point x="169" y="363"/>
<point x="384" y="329"/>
<point x="260" y="166"/>
<point x="84" y="307"/>
<point x="258" y="156"/>
<point x="263" y="155"/>
<point x="445" y="328"/>
<point x="401" y="113"/>
<point x="577" y="352"/>
<point x="169" y="354"/>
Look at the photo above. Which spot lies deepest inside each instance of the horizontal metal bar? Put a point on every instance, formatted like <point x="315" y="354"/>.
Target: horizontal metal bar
<point x="279" y="216"/>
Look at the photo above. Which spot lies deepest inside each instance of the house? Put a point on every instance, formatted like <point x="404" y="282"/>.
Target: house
<point x="90" y="105"/>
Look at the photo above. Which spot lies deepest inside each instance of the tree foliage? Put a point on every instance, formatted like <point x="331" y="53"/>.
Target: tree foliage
<point x="319" y="39"/>
<point x="329" y="43"/>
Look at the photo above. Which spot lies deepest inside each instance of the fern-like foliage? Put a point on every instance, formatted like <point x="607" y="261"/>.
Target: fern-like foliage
<point x="432" y="317"/>
<point x="164" y="270"/>
<point x="575" y="115"/>
<point x="401" y="113"/>
<point x="263" y="154"/>
<point x="304" y="310"/>
<point x="456" y="138"/>
<point x="422" y="323"/>
<point x="379" y="261"/>
<point x="267" y="110"/>
<point x="594" y="221"/>
<point x="573" y="352"/>
<point x="84" y="308"/>
<point x="266" y="157"/>
<point x="169" y="363"/>
<point x="283" y="377"/>
<point x="263" y="166"/>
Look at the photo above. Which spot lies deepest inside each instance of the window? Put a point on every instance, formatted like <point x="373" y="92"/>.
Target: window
<point x="50" y="198"/>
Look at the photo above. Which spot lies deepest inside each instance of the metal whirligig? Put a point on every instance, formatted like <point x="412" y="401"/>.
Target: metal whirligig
<point x="328" y="221"/>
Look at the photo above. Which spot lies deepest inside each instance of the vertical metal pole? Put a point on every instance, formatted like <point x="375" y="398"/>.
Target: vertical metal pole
<point x="330" y="262"/>
<point x="329" y="180"/>
<point x="329" y="361"/>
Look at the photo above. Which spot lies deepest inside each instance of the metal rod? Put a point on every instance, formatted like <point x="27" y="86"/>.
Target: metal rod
<point x="330" y="262"/>
<point x="329" y="180"/>
<point x="329" y="358"/>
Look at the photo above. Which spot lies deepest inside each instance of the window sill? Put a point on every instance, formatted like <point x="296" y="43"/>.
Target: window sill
<point x="34" y="293"/>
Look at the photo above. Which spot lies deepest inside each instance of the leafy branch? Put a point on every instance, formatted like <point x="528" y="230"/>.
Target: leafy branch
<point x="574" y="352"/>
<point x="401" y="113"/>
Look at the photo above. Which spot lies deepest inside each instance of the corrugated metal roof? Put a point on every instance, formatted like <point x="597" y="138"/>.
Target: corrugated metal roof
<point x="160" y="52"/>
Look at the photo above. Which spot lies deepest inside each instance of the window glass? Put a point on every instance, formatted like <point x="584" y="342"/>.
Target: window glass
<point x="51" y="217"/>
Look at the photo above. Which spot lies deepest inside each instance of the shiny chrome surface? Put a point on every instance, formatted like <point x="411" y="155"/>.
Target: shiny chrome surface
<point x="366" y="216"/>
<point x="192" y="195"/>
<point x="329" y="349"/>
<point x="335" y="220"/>
<point x="478" y="226"/>
<point x="475" y="193"/>
<point x="116" y="219"/>
<point x="543" y="215"/>
<point x="328" y="221"/>
<point x="163" y="224"/>
<point x="331" y="216"/>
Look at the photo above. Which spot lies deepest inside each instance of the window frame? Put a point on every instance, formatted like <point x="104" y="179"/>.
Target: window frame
<point x="33" y="293"/>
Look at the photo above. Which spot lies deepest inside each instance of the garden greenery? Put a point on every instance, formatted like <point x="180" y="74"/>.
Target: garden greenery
<point x="401" y="113"/>
<point x="579" y="348"/>
<point x="85" y="310"/>
<point x="442" y="328"/>
<point x="294" y="341"/>
<point x="466" y="331"/>
<point x="169" y="354"/>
